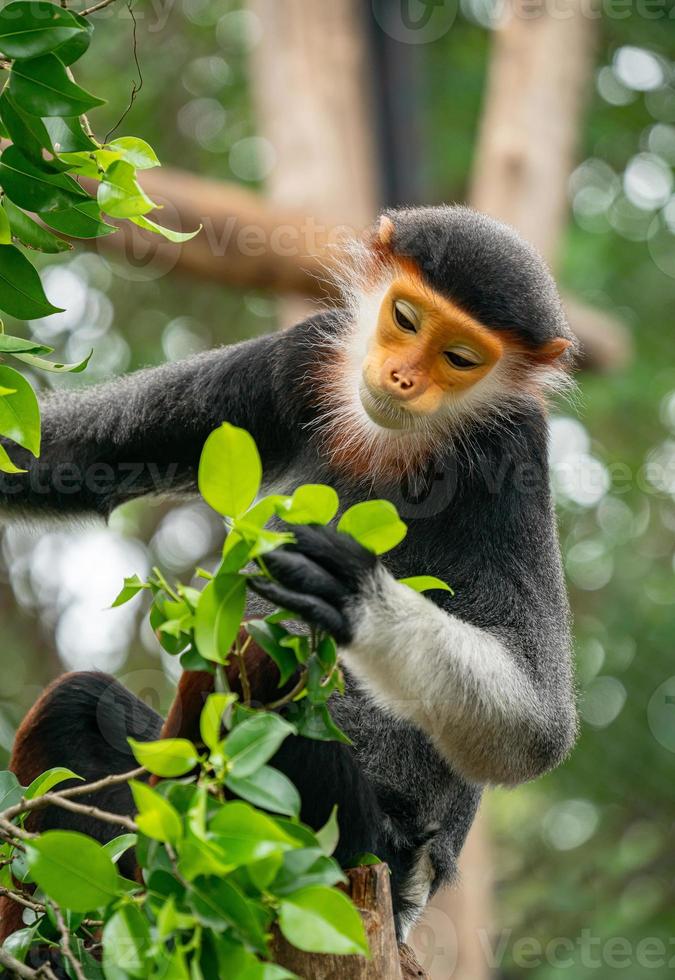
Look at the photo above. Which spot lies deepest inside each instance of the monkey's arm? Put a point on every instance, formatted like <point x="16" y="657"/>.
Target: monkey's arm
<point x="497" y="702"/>
<point x="143" y="433"/>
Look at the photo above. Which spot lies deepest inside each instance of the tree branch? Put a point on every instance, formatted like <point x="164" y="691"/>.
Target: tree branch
<point x="65" y="943"/>
<point x="95" y="7"/>
<point x="18" y="969"/>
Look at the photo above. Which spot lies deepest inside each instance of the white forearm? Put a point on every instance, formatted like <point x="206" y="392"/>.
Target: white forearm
<point x="455" y="681"/>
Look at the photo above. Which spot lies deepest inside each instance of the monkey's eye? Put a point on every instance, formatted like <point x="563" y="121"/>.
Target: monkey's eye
<point x="463" y="358"/>
<point x="406" y="316"/>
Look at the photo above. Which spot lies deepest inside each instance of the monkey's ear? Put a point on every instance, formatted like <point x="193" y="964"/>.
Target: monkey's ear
<point x="552" y="350"/>
<point x="385" y="231"/>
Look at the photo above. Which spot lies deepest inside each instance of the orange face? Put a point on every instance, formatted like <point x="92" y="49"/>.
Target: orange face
<point x="425" y="351"/>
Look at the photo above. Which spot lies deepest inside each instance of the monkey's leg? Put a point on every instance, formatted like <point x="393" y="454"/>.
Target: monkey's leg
<point x="326" y="774"/>
<point x="81" y="722"/>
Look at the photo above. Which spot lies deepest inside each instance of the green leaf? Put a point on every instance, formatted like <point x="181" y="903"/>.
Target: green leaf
<point x="267" y="788"/>
<point x="47" y="780"/>
<point x="375" y="524"/>
<point x="166" y="757"/>
<point x="18" y="345"/>
<point x="71" y="50"/>
<point x="21" y="292"/>
<point x="313" y="503"/>
<point x="217" y="901"/>
<point x="67" y="134"/>
<point x="132" y="586"/>
<point x="219" y="615"/>
<point x="26" y="131"/>
<point x="126" y="943"/>
<point x="81" y="220"/>
<point x="211" y="718"/>
<point x="119" y="193"/>
<point x="422" y="583"/>
<point x="54" y="367"/>
<point x="30" y="233"/>
<point x="268" y="637"/>
<point x="73" y="869"/>
<point x="118" y="846"/>
<point x="244" y="835"/>
<point x="42" y="87"/>
<point x="322" y="920"/>
<point x="30" y="187"/>
<point x="5" y="230"/>
<point x="19" y="413"/>
<point x="315" y="721"/>
<point x="234" y="960"/>
<point x="329" y="834"/>
<point x="11" y="790"/>
<point x="171" y="236"/>
<point x="156" y="818"/>
<point x="192" y="660"/>
<point x="363" y="860"/>
<point x="6" y="464"/>
<point x="230" y="471"/>
<point x="254" y="741"/>
<point x="135" y="151"/>
<point x="34" y="28"/>
<point x="19" y="942"/>
<point x="306" y="866"/>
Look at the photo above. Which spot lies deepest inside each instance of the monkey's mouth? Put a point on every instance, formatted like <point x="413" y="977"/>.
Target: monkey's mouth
<point x="384" y="411"/>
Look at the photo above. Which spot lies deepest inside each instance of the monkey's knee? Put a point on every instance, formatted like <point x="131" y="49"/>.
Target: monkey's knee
<point x="82" y="721"/>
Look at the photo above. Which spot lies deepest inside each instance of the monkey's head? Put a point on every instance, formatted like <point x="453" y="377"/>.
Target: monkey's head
<point x="452" y="318"/>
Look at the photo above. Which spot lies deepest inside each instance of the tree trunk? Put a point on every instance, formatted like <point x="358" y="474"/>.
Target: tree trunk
<point x="540" y="70"/>
<point x="369" y="890"/>
<point x="312" y="57"/>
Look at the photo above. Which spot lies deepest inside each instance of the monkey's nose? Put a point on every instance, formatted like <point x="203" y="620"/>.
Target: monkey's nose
<point x="402" y="380"/>
<point x="404" y="383"/>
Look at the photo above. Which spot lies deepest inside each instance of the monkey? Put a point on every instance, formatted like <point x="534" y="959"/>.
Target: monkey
<point x="427" y="386"/>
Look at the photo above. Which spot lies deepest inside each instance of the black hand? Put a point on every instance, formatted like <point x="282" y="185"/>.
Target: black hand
<point x="317" y="576"/>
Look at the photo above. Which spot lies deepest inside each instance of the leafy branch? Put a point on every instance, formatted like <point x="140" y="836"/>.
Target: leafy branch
<point x="51" y="146"/>
<point x="223" y="854"/>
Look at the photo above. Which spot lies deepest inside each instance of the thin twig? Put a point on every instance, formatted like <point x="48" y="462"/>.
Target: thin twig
<point x="135" y="87"/>
<point x="287" y="698"/>
<point x="86" y="125"/>
<point x="18" y="969"/>
<point x="117" y="777"/>
<point x="243" y="672"/>
<point x="87" y="810"/>
<point x="22" y="900"/>
<point x="65" y="943"/>
<point x="9" y="838"/>
<point x="65" y="794"/>
<point x="11" y="830"/>
<point x="97" y="6"/>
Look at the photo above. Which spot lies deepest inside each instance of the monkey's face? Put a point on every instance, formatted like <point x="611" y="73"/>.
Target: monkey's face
<point x="424" y="356"/>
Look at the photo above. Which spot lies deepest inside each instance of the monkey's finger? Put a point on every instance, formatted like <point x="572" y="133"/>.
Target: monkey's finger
<point x="298" y="572"/>
<point x="338" y="553"/>
<point x="316" y="611"/>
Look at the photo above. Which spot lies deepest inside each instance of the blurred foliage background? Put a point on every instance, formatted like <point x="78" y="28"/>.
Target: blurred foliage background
<point x="587" y="851"/>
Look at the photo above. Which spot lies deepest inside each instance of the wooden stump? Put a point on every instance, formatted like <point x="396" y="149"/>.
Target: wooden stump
<point x="369" y="890"/>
